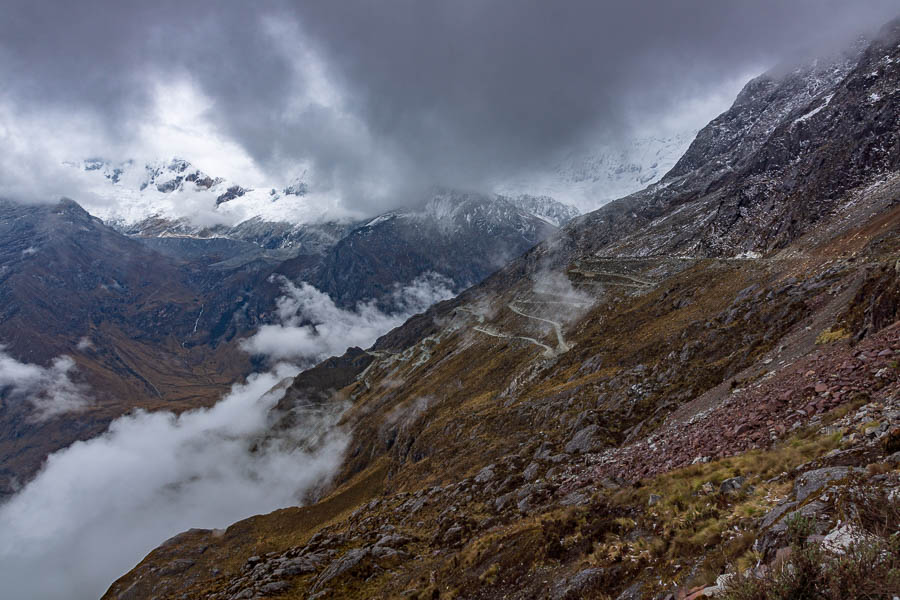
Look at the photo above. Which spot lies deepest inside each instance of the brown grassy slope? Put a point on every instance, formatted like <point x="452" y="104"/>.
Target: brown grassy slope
<point x="460" y="400"/>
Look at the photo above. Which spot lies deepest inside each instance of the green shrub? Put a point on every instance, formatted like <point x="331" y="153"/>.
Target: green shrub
<point x="869" y="568"/>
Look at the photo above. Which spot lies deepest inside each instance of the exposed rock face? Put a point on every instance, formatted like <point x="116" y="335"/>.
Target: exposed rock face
<point x="583" y="441"/>
<point x="813" y="481"/>
<point x="231" y="193"/>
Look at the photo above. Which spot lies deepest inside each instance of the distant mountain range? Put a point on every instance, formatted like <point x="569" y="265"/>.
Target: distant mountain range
<point x="178" y="192"/>
<point x="175" y="190"/>
<point x="174" y="196"/>
<point x="153" y="312"/>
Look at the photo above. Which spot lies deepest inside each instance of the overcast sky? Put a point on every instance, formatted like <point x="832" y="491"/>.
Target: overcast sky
<point x="378" y="100"/>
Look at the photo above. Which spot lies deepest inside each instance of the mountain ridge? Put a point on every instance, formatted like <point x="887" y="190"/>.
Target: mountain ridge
<point x="172" y="336"/>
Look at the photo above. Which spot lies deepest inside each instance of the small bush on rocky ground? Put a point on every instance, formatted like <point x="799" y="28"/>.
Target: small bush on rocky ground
<point x="829" y="336"/>
<point x="869" y="567"/>
<point x="876" y="510"/>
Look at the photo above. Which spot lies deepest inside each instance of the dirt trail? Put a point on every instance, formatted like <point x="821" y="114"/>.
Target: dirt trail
<point x="548" y="351"/>
<point x="561" y="344"/>
<point x="635" y="281"/>
<point x="579" y="305"/>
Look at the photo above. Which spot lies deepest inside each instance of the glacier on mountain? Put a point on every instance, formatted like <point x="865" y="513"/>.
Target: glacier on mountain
<point x="588" y="180"/>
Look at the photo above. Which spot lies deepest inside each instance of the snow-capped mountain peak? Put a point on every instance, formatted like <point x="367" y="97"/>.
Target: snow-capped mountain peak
<point x="128" y="192"/>
<point x="175" y="197"/>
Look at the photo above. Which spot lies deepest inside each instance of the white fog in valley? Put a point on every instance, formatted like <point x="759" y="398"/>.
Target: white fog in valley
<point x="152" y="475"/>
<point x="311" y="327"/>
<point x="49" y="390"/>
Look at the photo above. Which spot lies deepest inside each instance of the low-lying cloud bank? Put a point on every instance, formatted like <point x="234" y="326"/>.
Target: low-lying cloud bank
<point x="49" y="389"/>
<point x="99" y="506"/>
<point x="313" y="328"/>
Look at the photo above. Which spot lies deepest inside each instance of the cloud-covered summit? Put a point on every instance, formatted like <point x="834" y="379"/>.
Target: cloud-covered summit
<point x="378" y="100"/>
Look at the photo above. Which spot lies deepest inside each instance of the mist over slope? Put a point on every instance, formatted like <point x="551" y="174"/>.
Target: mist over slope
<point x="149" y="476"/>
<point x="152" y="474"/>
<point x="175" y="336"/>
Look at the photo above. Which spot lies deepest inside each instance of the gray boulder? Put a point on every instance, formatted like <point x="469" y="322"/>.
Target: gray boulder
<point x="732" y="485"/>
<point x="812" y="481"/>
<point x="348" y="561"/>
<point x="485" y="475"/>
<point x="270" y="589"/>
<point x="583" y="441"/>
<point x="577" y="585"/>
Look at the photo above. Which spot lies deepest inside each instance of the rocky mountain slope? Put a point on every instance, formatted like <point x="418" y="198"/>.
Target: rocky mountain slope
<point x="461" y="236"/>
<point x="784" y="157"/>
<point x="690" y="392"/>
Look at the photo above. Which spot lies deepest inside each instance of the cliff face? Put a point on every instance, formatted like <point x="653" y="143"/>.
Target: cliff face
<point x="641" y="404"/>
<point x="769" y="169"/>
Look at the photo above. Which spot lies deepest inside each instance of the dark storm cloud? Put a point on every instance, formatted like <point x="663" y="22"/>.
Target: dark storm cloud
<point x="475" y="83"/>
<point x="453" y="93"/>
<point x="106" y="56"/>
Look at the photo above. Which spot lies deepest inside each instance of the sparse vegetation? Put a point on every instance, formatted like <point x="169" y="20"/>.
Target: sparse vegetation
<point x="830" y="336"/>
<point x="694" y="517"/>
<point x="869" y="567"/>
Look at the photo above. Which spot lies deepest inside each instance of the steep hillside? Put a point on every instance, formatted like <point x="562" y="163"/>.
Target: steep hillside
<point x="784" y="157"/>
<point x="690" y="392"/>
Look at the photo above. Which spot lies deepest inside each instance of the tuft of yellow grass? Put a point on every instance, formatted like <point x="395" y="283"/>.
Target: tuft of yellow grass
<point x="830" y="336"/>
